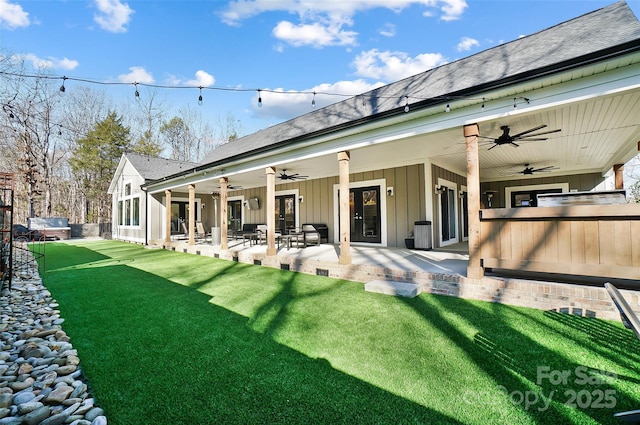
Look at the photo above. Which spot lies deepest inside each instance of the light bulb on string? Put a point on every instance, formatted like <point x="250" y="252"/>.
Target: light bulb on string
<point x="200" y="96"/>
<point x="313" y="101"/>
<point x="515" y="105"/>
<point x="482" y="107"/>
<point x="448" y="108"/>
<point x="406" y="106"/>
<point x="62" y="88"/>
<point x="137" y="93"/>
<point x="259" y="99"/>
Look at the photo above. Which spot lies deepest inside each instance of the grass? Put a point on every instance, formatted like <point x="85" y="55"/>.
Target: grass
<point x="172" y="338"/>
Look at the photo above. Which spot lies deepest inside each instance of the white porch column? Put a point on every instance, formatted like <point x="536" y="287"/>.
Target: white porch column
<point x="271" y="210"/>
<point x="345" y="211"/>
<point x="167" y="216"/>
<point x="223" y="213"/>
<point x="192" y="214"/>
<point x="471" y="133"/>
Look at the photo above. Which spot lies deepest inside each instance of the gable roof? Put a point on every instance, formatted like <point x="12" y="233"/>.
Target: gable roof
<point x="154" y="168"/>
<point x="606" y="32"/>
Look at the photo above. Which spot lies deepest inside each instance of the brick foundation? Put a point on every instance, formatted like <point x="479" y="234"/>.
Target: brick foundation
<point x="562" y="297"/>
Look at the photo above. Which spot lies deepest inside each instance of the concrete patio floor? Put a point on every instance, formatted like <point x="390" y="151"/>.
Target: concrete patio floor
<point x="451" y="260"/>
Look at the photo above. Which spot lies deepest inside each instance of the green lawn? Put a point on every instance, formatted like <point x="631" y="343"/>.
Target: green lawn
<point x="172" y="338"/>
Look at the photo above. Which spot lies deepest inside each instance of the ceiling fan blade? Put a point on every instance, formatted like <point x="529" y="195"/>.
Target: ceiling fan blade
<point x="543" y="169"/>
<point x="533" y="139"/>
<point x="514" y="144"/>
<point x="544" y="132"/>
<point x="488" y="138"/>
<point x="531" y="130"/>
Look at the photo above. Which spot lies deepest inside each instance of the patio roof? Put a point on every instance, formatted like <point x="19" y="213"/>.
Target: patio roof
<point x="581" y="76"/>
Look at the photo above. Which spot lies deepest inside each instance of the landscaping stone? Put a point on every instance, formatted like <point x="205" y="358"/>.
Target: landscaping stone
<point x="41" y="381"/>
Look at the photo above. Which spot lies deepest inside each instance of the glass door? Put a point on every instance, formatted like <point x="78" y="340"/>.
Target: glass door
<point x="234" y="215"/>
<point x="285" y="213"/>
<point x="448" y="216"/>
<point x="179" y="211"/>
<point x="364" y="207"/>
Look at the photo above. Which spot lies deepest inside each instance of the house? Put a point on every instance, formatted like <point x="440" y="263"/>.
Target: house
<point x="465" y="148"/>
<point x="129" y="202"/>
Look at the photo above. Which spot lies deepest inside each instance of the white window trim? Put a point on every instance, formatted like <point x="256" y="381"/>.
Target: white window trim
<point x="123" y="198"/>
<point x="383" y="210"/>
<point x="456" y="211"/>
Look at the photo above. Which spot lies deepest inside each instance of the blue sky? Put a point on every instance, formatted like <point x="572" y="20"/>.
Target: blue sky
<point x="286" y="48"/>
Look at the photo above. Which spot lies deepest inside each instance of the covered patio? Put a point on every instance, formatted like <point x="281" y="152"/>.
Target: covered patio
<point x="440" y="271"/>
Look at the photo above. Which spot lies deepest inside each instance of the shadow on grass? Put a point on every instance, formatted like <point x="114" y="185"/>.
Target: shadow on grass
<point x="161" y="353"/>
<point x="513" y="370"/>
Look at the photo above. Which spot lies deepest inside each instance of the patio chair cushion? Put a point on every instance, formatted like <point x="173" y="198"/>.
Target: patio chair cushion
<point x="310" y="236"/>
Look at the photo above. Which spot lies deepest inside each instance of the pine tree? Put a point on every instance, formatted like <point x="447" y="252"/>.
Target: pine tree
<point x="95" y="160"/>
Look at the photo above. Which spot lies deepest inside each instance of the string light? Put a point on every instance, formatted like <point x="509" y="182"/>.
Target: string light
<point x="200" y="97"/>
<point x="280" y="92"/>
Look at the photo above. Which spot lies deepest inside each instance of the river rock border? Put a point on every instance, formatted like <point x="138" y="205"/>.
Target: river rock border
<point x="41" y="380"/>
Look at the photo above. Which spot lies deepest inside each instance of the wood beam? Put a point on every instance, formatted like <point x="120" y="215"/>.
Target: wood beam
<point x="471" y="133"/>
<point x="345" y="230"/>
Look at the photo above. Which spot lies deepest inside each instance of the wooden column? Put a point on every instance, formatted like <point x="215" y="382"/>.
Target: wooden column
<point x="167" y="216"/>
<point x="471" y="133"/>
<point x="619" y="176"/>
<point x="192" y="214"/>
<point x="271" y="210"/>
<point x="224" y="183"/>
<point x="345" y="212"/>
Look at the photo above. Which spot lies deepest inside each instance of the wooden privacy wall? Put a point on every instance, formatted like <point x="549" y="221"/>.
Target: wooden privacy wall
<point x="588" y="240"/>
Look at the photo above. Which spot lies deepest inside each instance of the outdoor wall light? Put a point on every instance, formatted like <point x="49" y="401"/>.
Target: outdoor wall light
<point x="390" y="191"/>
<point x="301" y="199"/>
<point x="440" y="189"/>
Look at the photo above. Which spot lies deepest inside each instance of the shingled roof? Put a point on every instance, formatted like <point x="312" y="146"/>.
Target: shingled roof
<point x="154" y="168"/>
<point x="608" y="31"/>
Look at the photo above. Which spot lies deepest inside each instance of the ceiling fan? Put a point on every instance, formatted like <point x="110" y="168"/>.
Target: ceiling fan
<point x="295" y="176"/>
<point x="530" y="170"/>
<point x="506" y="139"/>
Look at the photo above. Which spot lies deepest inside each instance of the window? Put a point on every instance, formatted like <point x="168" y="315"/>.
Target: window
<point x="135" y="212"/>
<point x="129" y="207"/>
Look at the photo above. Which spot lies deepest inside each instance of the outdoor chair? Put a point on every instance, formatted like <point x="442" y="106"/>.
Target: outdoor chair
<point x="630" y="321"/>
<point x="200" y="232"/>
<point x="308" y="236"/>
<point x="261" y="231"/>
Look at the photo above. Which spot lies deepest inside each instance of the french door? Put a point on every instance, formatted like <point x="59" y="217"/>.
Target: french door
<point x="285" y="213"/>
<point x="364" y="209"/>
<point x="179" y="213"/>
<point x="234" y="215"/>
<point x="448" y="215"/>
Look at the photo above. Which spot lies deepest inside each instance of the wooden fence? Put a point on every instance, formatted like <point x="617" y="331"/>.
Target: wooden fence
<point x="590" y="240"/>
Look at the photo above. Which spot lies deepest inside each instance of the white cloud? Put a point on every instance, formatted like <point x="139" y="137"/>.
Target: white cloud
<point x="322" y="23"/>
<point x="315" y="34"/>
<point x="113" y="15"/>
<point x="394" y="66"/>
<point x="466" y="43"/>
<point x="279" y="105"/>
<point x="137" y="75"/>
<point x="203" y="79"/>
<point x="388" y="30"/>
<point x="12" y="15"/>
<point x="49" y="63"/>
<point x="452" y="9"/>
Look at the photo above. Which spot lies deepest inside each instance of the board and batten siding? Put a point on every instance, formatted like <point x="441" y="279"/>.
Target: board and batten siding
<point x="406" y="206"/>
